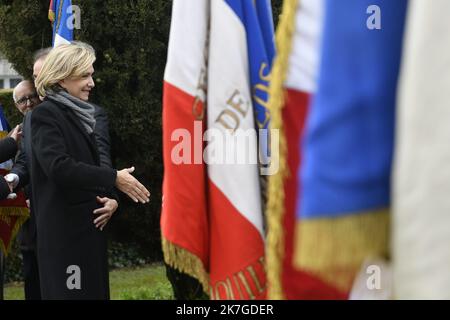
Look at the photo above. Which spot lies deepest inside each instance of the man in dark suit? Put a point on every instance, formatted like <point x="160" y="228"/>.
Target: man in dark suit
<point x="25" y="99"/>
<point x="8" y="150"/>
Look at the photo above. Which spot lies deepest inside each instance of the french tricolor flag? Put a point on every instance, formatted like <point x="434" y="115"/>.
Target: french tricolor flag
<point x="59" y="13"/>
<point x="338" y="119"/>
<point x="212" y="219"/>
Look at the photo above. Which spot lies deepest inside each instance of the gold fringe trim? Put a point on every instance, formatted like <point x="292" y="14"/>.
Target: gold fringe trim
<point x="3" y="134"/>
<point x="186" y="262"/>
<point x="23" y="214"/>
<point x="275" y="205"/>
<point x="334" y="249"/>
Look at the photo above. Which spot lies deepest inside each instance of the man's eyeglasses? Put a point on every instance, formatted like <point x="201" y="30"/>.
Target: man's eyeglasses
<point x="23" y="101"/>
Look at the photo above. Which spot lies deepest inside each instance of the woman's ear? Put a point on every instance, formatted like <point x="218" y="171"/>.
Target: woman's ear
<point x="62" y="83"/>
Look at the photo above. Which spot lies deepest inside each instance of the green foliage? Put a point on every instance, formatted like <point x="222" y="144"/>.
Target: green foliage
<point x="24" y="28"/>
<point x="276" y="10"/>
<point x="121" y="255"/>
<point x="13" y="265"/>
<point x="13" y="115"/>
<point x="162" y="291"/>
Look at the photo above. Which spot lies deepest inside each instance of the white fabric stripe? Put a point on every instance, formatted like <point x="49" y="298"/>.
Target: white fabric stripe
<point x="187" y="41"/>
<point x="228" y="71"/>
<point x="305" y="54"/>
<point x="60" y="40"/>
<point x="421" y="201"/>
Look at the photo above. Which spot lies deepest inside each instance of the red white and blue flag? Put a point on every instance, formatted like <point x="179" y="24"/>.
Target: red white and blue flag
<point x="220" y="54"/>
<point x="338" y="121"/>
<point x="60" y="14"/>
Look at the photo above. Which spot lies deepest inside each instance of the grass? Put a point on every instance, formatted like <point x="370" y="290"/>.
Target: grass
<point x="144" y="283"/>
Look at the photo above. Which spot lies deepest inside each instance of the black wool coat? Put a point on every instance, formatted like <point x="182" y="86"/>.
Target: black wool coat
<point x="66" y="177"/>
<point x="27" y="235"/>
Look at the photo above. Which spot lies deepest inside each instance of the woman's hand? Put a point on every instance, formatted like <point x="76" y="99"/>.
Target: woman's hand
<point x="105" y="212"/>
<point x="129" y="185"/>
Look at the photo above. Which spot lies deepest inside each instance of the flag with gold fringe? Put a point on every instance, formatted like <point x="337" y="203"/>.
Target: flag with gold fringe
<point x="343" y="179"/>
<point x="13" y="212"/>
<point x="184" y="220"/>
<point x="211" y="222"/>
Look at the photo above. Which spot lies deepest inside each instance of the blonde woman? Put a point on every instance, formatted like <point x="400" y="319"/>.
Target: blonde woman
<point x="71" y="192"/>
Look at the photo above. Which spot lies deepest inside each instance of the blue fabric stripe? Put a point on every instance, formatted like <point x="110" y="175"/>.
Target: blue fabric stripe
<point x="60" y="24"/>
<point x="3" y="121"/>
<point x="256" y="17"/>
<point x="350" y="130"/>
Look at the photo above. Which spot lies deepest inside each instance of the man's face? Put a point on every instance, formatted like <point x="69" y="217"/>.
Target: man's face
<point x="26" y="97"/>
<point x="37" y="67"/>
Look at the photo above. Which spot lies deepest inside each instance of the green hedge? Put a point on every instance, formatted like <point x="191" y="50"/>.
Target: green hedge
<point x="11" y="113"/>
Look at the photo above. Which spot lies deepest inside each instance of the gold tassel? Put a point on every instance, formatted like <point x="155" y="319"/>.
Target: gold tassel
<point x="335" y="248"/>
<point x="22" y="213"/>
<point x="275" y="205"/>
<point x="186" y="262"/>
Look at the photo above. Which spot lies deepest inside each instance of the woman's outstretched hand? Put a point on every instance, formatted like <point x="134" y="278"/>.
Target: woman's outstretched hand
<point x="129" y="185"/>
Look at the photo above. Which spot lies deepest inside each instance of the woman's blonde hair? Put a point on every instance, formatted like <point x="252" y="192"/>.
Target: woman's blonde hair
<point x="64" y="61"/>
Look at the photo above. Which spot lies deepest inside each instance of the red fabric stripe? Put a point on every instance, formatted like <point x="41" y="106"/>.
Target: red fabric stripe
<point x="183" y="219"/>
<point x="296" y="283"/>
<point x="236" y="248"/>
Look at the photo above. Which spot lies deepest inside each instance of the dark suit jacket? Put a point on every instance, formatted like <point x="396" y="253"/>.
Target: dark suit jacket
<point x="8" y="149"/>
<point x="66" y="178"/>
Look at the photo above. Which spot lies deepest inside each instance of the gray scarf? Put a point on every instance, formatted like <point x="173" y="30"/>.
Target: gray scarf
<point x="83" y="110"/>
